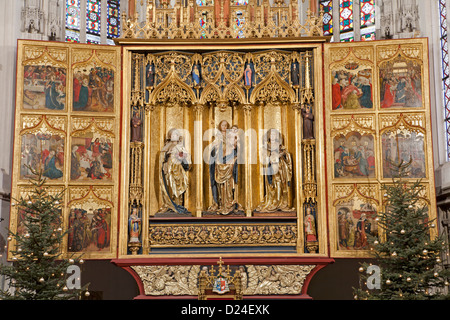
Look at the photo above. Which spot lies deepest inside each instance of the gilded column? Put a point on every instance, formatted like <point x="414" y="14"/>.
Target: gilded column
<point x="309" y="187"/>
<point x="198" y="157"/>
<point x="135" y="190"/>
<point x="248" y="159"/>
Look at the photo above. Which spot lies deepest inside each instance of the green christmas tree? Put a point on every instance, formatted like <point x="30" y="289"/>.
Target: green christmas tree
<point x="38" y="271"/>
<point x="407" y="254"/>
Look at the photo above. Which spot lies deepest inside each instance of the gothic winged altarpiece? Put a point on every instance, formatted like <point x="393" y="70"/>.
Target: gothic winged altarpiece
<point x="221" y="147"/>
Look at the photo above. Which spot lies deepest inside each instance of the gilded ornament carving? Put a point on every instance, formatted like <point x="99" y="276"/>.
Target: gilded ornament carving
<point x="178" y="23"/>
<point x="44" y="124"/>
<point x="53" y="56"/>
<point x="169" y="280"/>
<point x="181" y="280"/>
<point x="275" y="279"/>
<point x="164" y="235"/>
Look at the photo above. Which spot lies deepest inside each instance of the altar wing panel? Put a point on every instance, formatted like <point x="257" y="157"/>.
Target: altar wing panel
<point x="67" y="124"/>
<point x="377" y="111"/>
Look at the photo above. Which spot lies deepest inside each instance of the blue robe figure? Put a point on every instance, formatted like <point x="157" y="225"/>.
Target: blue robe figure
<point x="83" y="99"/>
<point x="196" y="75"/>
<point x="52" y="97"/>
<point x="366" y="98"/>
<point x="248" y="76"/>
<point x="50" y="170"/>
<point x="400" y="95"/>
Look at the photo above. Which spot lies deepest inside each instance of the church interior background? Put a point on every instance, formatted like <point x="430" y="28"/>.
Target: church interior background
<point x="196" y="135"/>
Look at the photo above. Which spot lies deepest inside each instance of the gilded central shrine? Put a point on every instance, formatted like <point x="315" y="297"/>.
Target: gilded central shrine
<point x="222" y="132"/>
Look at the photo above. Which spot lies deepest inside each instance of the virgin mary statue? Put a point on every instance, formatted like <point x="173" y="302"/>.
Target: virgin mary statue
<point x="277" y="168"/>
<point x="223" y="170"/>
<point x="174" y="164"/>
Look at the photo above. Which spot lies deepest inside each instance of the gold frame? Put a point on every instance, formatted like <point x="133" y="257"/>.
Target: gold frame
<point x="132" y="46"/>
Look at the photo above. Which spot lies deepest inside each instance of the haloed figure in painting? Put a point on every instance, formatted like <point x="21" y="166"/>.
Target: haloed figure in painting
<point x="277" y="166"/>
<point x="223" y="169"/>
<point x="175" y="162"/>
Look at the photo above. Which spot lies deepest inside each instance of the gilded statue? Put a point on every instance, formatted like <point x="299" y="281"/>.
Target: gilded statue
<point x="223" y="169"/>
<point x="277" y="170"/>
<point x="134" y="225"/>
<point x="175" y="162"/>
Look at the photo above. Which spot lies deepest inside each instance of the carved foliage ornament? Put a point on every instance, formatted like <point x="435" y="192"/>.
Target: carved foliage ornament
<point x="256" y="279"/>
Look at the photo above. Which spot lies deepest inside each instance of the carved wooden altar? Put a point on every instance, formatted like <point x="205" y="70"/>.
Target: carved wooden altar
<point x="207" y="134"/>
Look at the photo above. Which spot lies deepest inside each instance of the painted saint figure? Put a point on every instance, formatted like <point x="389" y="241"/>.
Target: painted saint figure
<point x="54" y="96"/>
<point x="175" y="162"/>
<point x="223" y="170"/>
<point x="277" y="166"/>
<point x="50" y="170"/>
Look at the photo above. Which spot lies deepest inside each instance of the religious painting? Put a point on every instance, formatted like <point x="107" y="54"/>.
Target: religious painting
<point x="89" y="230"/>
<point x="403" y="145"/>
<point x="356" y="222"/>
<point x="42" y="151"/>
<point x="93" y="88"/>
<point x="352" y="87"/>
<point x="44" y="87"/>
<point x="23" y="214"/>
<point x="400" y="83"/>
<point x="91" y="157"/>
<point x="354" y="155"/>
<point x="90" y="220"/>
<point x="355" y="208"/>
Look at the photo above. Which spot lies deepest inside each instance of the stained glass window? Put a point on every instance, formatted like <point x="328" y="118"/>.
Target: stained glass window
<point x="445" y="70"/>
<point x="367" y="10"/>
<point x="202" y="21"/>
<point x="346" y="15"/>
<point x="73" y="20"/>
<point x="239" y="2"/>
<point x="113" y="19"/>
<point x="93" y="10"/>
<point x="327" y="8"/>
<point x="239" y="21"/>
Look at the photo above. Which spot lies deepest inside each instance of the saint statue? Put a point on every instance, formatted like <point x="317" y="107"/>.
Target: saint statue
<point x="308" y="123"/>
<point x="134" y="225"/>
<point x="136" y="124"/>
<point x="277" y="169"/>
<point x="223" y="169"/>
<point x="248" y="76"/>
<point x="310" y="226"/>
<point x="175" y="162"/>
<point x="150" y="76"/>
<point x="196" y="75"/>
<point x="295" y="74"/>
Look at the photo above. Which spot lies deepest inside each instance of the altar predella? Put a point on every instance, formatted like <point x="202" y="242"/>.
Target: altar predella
<point x="191" y="145"/>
